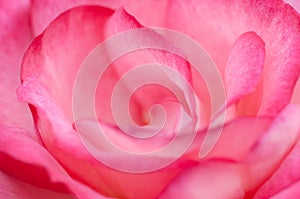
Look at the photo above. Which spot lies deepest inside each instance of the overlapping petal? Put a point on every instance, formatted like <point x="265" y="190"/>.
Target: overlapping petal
<point x="49" y="73"/>
<point x="219" y="23"/>
<point x="12" y="188"/>
<point x="236" y="179"/>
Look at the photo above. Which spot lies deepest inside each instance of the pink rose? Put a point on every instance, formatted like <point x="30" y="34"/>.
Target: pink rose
<point x="204" y="105"/>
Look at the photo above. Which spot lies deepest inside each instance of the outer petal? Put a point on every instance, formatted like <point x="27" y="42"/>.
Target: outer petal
<point x="219" y="23"/>
<point x="24" y="158"/>
<point x="273" y="146"/>
<point x="286" y="177"/>
<point x="207" y="180"/>
<point x="15" y="36"/>
<point x="45" y="11"/>
<point x="12" y="188"/>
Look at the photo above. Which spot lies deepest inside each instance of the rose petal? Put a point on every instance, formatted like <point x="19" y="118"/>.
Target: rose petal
<point x="12" y="188"/>
<point x="244" y="66"/>
<point x="273" y="146"/>
<point x="284" y="177"/>
<point x="60" y="67"/>
<point x="48" y="79"/>
<point x="15" y="36"/>
<point x="296" y="93"/>
<point x="207" y="180"/>
<point x="153" y="16"/>
<point x="24" y="158"/>
<point x="289" y="193"/>
<point x="45" y="11"/>
<point x="242" y="74"/>
<point x="145" y="46"/>
<point x="294" y="3"/>
<point x="216" y="179"/>
<point x="237" y="138"/>
<point x="219" y="25"/>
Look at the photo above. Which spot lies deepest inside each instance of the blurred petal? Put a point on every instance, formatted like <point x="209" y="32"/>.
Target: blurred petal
<point x="15" y="36"/>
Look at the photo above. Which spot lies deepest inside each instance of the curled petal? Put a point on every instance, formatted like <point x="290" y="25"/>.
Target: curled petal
<point x="244" y="66"/>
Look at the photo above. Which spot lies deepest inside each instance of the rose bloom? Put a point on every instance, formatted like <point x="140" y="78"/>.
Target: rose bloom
<point x="51" y="145"/>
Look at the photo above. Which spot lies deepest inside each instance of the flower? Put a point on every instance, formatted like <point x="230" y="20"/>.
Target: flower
<point x="150" y="99"/>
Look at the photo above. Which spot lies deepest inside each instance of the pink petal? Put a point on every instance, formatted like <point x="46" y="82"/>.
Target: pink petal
<point x="294" y="3"/>
<point x="289" y="193"/>
<point x="60" y="67"/>
<point x="217" y="24"/>
<point x="211" y="179"/>
<point x="217" y="179"/>
<point x="15" y="36"/>
<point x="238" y="137"/>
<point x="273" y="146"/>
<point x="48" y="78"/>
<point x="284" y="177"/>
<point x="12" y="188"/>
<point x="242" y="74"/>
<point x="45" y="11"/>
<point x="296" y="93"/>
<point x="244" y="66"/>
<point x="143" y="99"/>
<point x="24" y="158"/>
<point x="149" y="13"/>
